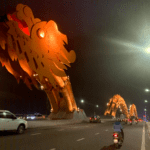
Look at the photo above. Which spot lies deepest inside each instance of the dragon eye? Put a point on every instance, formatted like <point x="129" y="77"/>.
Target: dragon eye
<point x="41" y="33"/>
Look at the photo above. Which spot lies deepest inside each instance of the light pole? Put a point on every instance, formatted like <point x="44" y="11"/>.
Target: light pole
<point x="145" y="109"/>
<point x="145" y="114"/>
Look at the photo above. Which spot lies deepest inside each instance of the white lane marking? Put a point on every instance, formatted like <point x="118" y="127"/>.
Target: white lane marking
<point x="61" y="130"/>
<point x="80" y="139"/>
<point x="143" y="138"/>
<point x="106" y="130"/>
<point x="96" y="133"/>
<point x="36" y="134"/>
<point x="53" y="149"/>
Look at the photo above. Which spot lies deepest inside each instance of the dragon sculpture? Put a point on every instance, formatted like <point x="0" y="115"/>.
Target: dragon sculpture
<point x="118" y="102"/>
<point x="34" y="51"/>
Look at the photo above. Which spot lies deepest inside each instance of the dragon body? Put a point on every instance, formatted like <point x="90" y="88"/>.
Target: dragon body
<point x="118" y="102"/>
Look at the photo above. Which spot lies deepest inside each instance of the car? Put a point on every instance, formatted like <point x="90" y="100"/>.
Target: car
<point x="9" y="122"/>
<point x="140" y="120"/>
<point x="35" y="117"/>
<point x="30" y="117"/>
<point x="95" y="118"/>
<point x="39" y="116"/>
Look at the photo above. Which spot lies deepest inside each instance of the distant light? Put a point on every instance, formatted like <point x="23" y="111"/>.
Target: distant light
<point x="144" y="109"/>
<point x="97" y="106"/>
<point x="107" y="103"/>
<point x="35" y="75"/>
<point x="20" y="76"/>
<point x="82" y="101"/>
<point x="42" y="87"/>
<point x="146" y="101"/>
<point x="146" y="90"/>
<point x="46" y="79"/>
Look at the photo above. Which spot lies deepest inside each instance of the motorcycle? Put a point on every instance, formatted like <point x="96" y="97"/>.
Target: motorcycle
<point x="130" y="122"/>
<point x="118" y="139"/>
<point x="136" y="121"/>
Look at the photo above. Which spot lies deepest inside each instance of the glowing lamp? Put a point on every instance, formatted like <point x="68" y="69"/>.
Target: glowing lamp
<point x="148" y="50"/>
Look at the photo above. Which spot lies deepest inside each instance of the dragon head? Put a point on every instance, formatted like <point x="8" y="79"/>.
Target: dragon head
<point x="37" y="45"/>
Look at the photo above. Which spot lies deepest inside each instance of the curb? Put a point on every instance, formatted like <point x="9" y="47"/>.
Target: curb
<point x="148" y="128"/>
<point x="56" y="125"/>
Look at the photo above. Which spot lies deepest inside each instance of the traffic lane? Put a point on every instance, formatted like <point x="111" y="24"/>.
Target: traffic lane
<point x="38" y="129"/>
<point x="79" y="136"/>
<point x="132" y="138"/>
<point x="50" y="137"/>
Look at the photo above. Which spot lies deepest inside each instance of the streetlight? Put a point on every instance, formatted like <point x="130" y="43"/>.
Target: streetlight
<point x="146" y="90"/>
<point x="82" y="101"/>
<point x="148" y="50"/>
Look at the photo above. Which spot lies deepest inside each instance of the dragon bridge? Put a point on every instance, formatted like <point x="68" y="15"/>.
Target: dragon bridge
<point x="34" y="51"/>
<point x="118" y="102"/>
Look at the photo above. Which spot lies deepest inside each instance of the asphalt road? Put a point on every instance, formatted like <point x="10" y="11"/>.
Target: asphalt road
<point x="85" y="136"/>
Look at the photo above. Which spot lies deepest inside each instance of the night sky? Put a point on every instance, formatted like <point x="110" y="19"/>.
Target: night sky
<point x="110" y="38"/>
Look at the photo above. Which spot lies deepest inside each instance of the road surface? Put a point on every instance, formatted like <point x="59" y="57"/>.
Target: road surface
<point x="84" y="136"/>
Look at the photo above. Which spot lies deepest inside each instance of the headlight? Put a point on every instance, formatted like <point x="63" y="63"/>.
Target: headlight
<point x="33" y="117"/>
<point x="115" y="140"/>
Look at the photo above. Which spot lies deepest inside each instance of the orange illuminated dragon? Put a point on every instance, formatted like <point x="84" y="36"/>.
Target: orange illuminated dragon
<point x="118" y="102"/>
<point x="33" y="50"/>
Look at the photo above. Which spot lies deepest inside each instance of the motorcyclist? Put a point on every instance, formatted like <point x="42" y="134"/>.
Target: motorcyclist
<point x="118" y="128"/>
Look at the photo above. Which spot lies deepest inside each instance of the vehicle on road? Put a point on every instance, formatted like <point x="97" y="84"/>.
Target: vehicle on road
<point x="95" y="118"/>
<point x="35" y="117"/>
<point x="136" y="121"/>
<point x="118" y="139"/>
<point x="130" y="121"/>
<point x="140" y="120"/>
<point x="9" y="122"/>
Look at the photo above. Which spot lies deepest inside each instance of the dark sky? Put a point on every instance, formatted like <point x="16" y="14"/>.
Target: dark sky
<point x="109" y="37"/>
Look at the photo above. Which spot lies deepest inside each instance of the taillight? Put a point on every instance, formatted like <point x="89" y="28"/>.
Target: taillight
<point x="95" y="118"/>
<point x="115" y="135"/>
<point x="90" y="118"/>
